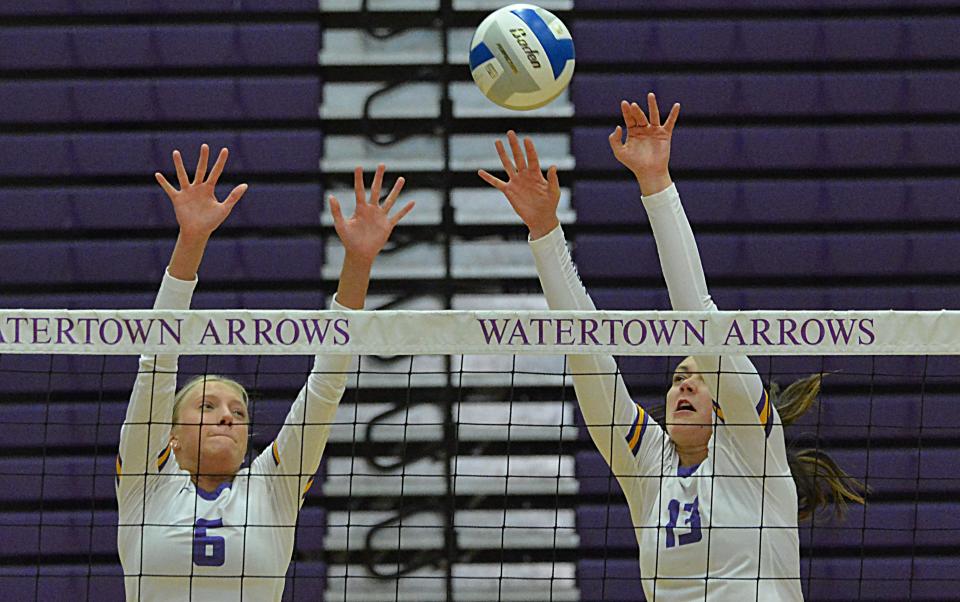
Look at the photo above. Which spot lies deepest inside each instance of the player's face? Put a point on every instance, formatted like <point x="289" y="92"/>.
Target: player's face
<point x="212" y="429"/>
<point x="689" y="406"/>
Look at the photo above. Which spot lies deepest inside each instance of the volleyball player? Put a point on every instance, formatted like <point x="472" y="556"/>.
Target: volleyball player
<point x="193" y="524"/>
<point x="714" y="508"/>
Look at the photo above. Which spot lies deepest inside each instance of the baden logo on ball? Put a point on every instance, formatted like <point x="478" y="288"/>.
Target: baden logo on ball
<point x="522" y="57"/>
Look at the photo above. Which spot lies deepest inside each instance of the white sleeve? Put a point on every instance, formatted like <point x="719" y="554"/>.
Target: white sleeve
<point x="294" y="456"/>
<point x="145" y="434"/>
<point x="629" y="440"/>
<point x="733" y="380"/>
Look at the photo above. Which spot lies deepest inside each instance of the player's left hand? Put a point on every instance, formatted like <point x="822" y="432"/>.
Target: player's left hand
<point x="534" y="198"/>
<point x="365" y="232"/>
<point x="646" y="150"/>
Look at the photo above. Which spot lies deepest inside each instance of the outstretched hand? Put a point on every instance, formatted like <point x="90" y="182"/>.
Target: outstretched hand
<point x="646" y="151"/>
<point x="366" y="232"/>
<point x="198" y="211"/>
<point x="533" y="197"/>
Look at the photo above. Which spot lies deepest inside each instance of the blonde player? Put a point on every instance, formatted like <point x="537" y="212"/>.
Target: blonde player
<point x="193" y="524"/>
<point x="715" y="509"/>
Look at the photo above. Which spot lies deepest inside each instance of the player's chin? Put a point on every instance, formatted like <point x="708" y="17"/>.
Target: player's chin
<point x="687" y="425"/>
<point x="219" y="443"/>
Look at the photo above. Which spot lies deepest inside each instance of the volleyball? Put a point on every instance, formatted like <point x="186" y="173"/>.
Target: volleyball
<point x="522" y="57"/>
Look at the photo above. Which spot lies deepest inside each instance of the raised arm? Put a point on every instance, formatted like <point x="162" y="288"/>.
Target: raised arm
<point x="646" y="152"/>
<point x="145" y="433"/>
<point x="627" y="438"/>
<point x="298" y="448"/>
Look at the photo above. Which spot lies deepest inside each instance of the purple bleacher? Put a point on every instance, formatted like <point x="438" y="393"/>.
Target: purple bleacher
<point x="780" y="147"/>
<point x="822" y="40"/>
<point x="98" y="582"/>
<point x="106" y="7"/>
<point x="73" y="210"/>
<point x="776" y="255"/>
<point x="885" y="471"/>
<point x="778" y="202"/>
<point x="57" y="425"/>
<point x="920" y="297"/>
<point x="59" y="478"/>
<point x="909" y="93"/>
<point x="823" y="578"/>
<point x="63" y="375"/>
<point x="273" y="151"/>
<point x="144" y="47"/>
<point x="858" y="417"/>
<point x="295" y="259"/>
<point x="878" y="524"/>
<point x="78" y="101"/>
<point x="63" y="581"/>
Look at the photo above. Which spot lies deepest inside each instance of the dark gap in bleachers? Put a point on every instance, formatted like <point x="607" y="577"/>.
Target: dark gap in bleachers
<point x="946" y="277"/>
<point x="158" y="71"/>
<point x="847" y="173"/>
<point x="681" y="68"/>
<point x="758" y="12"/>
<point x="51" y="559"/>
<point x="186" y="19"/>
<point x="903" y="227"/>
<point x="164" y="233"/>
<point x="155" y="127"/>
<point x="149" y="287"/>
<point x="68" y="182"/>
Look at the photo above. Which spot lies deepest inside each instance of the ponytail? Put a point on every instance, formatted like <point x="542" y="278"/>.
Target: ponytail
<point x="821" y="483"/>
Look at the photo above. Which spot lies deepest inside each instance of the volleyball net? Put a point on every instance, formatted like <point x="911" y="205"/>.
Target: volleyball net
<point x="458" y="465"/>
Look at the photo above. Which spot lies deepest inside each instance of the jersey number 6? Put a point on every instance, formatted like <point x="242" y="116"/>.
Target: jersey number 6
<point x="208" y="550"/>
<point x="693" y="519"/>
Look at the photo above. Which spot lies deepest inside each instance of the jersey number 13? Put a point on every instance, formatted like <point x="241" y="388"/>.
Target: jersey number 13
<point x="691" y="518"/>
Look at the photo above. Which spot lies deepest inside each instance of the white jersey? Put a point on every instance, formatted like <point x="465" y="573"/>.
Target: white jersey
<point x="178" y="542"/>
<point x="723" y="530"/>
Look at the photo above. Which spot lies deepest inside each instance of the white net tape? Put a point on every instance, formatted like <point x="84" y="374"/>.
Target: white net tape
<point x="241" y="332"/>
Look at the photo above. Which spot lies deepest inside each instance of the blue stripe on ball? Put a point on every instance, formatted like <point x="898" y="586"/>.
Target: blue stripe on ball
<point x="558" y="51"/>
<point x="479" y="55"/>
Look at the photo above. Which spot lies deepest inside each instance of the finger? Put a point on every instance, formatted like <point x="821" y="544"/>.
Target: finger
<point x="638" y="115"/>
<point x="403" y="212"/>
<point x="181" y="172"/>
<point x="201" y="164"/>
<point x="235" y="196"/>
<point x="492" y="180"/>
<point x="377" y="184"/>
<point x="170" y="190"/>
<point x="628" y="119"/>
<point x="532" y="158"/>
<point x="616" y="139"/>
<point x="672" y="117"/>
<point x="218" y="167"/>
<point x="553" y="181"/>
<point x="505" y="160"/>
<point x="358" y="188"/>
<point x="394" y="194"/>
<point x="335" y="210"/>
<point x="654" y="111"/>
<point x="518" y="158"/>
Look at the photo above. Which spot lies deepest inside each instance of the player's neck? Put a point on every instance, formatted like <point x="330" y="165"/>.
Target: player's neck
<point x="209" y="483"/>
<point x="692" y="455"/>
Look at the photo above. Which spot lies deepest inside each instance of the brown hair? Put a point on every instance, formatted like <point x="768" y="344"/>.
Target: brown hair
<point x="202" y="381"/>
<point x="821" y="483"/>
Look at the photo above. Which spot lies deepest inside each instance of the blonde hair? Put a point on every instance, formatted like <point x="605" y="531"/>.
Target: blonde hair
<point x="202" y="381"/>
